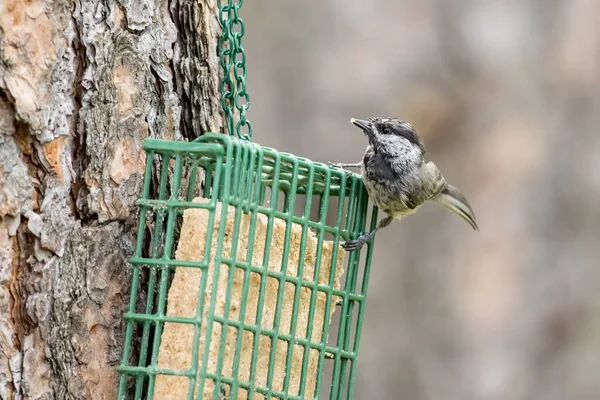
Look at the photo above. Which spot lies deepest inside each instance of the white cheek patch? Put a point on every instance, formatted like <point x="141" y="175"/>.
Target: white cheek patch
<point x="402" y="148"/>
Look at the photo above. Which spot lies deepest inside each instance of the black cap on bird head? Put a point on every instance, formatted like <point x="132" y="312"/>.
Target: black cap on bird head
<point x="383" y="129"/>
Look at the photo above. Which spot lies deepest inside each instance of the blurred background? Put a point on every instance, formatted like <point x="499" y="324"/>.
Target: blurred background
<point x="506" y="95"/>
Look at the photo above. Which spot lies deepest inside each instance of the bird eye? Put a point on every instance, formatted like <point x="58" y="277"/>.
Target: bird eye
<point x="386" y="130"/>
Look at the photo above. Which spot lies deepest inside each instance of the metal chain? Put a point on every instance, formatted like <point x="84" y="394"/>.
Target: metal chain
<point x="233" y="56"/>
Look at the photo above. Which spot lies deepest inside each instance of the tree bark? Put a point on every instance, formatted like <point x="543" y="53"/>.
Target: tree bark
<point x="82" y="83"/>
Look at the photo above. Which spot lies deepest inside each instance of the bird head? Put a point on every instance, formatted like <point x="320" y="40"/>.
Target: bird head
<point x="388" y="134"/>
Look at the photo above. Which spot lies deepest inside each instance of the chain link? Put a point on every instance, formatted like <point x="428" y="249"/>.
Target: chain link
<point x="232" y="56"/>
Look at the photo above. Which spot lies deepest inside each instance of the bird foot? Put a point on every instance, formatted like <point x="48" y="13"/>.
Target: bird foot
<point x="352" y="245"/>
<point x="343" y="168"/>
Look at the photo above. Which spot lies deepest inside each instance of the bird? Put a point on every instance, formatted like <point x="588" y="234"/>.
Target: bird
<point x="399" y="178"/>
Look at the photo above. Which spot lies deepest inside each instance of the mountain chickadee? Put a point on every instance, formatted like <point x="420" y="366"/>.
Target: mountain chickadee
<point x="398" y="177"/>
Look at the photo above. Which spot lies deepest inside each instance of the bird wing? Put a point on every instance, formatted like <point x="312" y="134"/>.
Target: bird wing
<point x="429" y="185"/>
<point x="433" y="181"/>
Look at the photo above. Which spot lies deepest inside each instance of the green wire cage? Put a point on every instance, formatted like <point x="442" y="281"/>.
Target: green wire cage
<point x="241" y="180"/>
<point x="241" y="289"/>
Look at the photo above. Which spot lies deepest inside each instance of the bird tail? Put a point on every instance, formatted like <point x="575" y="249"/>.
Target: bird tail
<point x="453" y="200"/>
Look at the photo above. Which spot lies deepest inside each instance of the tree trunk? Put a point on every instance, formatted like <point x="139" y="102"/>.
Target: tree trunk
<point x="82" y="83"/>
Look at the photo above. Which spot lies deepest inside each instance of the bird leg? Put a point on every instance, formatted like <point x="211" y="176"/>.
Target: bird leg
<point x="343" y="166"/>
<point x="357" y="243"/>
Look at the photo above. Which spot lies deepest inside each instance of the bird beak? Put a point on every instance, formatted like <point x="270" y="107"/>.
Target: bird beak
<point x="364" y="125"/>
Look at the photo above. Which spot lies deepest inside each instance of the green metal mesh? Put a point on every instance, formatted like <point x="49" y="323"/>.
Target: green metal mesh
<point x="254" y="180"/>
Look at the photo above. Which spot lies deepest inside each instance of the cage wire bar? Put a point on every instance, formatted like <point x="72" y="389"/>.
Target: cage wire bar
<point x="250" y="178"/>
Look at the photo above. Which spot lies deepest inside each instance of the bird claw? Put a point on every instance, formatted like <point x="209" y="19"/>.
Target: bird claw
<point x="348" y="173"/>
<point x="352" y="245"/>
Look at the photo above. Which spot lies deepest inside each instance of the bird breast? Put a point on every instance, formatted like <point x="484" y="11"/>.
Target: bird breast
<point x="391" y="182"/>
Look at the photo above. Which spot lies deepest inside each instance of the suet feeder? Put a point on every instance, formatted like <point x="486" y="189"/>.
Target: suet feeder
<point x="240" y="287"/>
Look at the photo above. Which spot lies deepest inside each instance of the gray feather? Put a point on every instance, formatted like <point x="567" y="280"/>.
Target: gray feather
<point x="453" y="200"/>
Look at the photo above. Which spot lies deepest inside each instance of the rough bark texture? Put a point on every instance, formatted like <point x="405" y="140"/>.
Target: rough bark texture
<point x="82" y="83"/>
